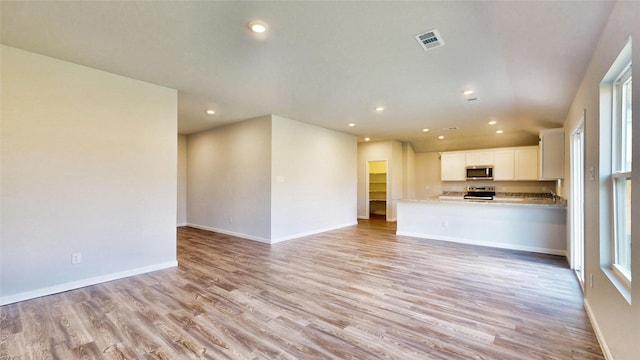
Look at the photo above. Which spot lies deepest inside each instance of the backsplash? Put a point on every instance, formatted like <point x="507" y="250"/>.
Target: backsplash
<point x="529" y="195"/>
<point x="527" y="187"/>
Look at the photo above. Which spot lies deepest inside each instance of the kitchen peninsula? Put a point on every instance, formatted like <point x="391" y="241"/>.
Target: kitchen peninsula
<point x="528" y="224"/>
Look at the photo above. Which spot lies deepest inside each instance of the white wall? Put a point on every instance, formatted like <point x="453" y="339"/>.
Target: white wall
<point x="616" y="322"/>
<point x="396" y="177"/>
<point x="229" y="179"/>
<point x="428" y="182"/>
<point x="313" y="174"/>
<point x="181" y="215"/>
<point x="271" y="179"/>
<point x="409" y="165"/>
<point x="88" y="165"/>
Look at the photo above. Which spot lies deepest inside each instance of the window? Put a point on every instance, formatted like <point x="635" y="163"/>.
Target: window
<point x="621" y="173"/>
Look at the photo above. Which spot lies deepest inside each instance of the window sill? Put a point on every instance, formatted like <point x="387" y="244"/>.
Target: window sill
<point x="622" y="285"/>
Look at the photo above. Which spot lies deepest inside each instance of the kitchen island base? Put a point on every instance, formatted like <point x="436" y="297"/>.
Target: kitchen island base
<point x="534" y="228"/>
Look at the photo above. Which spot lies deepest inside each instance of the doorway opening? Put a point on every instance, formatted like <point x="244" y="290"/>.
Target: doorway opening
<point x="377" y="189"/>
<point x="576" y="204"/>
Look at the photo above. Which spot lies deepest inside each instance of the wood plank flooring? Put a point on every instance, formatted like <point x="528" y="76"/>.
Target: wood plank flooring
<point x="356" y="293"/>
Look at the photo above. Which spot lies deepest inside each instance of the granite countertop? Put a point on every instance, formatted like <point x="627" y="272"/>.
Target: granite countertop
<point x="523" y="199"/>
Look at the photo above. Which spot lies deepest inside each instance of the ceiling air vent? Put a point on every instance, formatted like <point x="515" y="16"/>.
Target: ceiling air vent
<point x="430" y="39"/>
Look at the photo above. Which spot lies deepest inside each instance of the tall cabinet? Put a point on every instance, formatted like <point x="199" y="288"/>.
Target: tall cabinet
<point x="552" y="154"/>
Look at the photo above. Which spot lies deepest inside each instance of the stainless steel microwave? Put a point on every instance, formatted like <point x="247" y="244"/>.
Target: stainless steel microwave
<point x="480" y="172"/>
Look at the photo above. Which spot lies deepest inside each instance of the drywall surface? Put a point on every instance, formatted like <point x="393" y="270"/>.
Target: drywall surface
<point x="313" y="177"/>
<point x="396" y="177"/>
<point x="229" y="179"/>
<point x="409" y="165"/>
<point x="616" y="321"/>
<point x="181" y="213"/>
<point x="89" y="167"/>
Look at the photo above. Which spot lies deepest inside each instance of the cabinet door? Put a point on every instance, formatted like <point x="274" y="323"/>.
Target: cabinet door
<point x="479" y="158"/>
<point x="552" y="154"/>
<point x="504" y="165"/>
<point x="452" y="167"/>
<point x="526" y="163"/>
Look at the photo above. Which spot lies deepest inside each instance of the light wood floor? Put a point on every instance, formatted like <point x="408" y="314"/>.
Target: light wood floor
<point x="356" y="293"/>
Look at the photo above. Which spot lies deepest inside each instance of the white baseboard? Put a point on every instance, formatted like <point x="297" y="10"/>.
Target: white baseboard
<point x="232" y="233"/>
<point x="182" y="224"/>
<point x="363" y="217"/>
<point x="4" y="300"/>
<point x="483" y="243"/>
<point x="312" y="232"/>
<point x="596" y="328"/>
<point x="270" y="241"/>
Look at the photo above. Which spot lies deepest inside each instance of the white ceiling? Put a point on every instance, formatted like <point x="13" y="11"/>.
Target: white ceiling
<point x="332" y="63"/>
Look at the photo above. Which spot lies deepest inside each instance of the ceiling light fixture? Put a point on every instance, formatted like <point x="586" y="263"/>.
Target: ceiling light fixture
<point x="492" y="122"/>
<point x="499" y="131"/>
<point x="366" y="139"/>
<point x="379" y="108"/>
<point x="425" y="130"/>
<point x="352" y="125"/>
<point x="440" y="137"/>
<point x="258" y="26"/>
<point x="469" y="95"/>
<point x="210" y="112"/>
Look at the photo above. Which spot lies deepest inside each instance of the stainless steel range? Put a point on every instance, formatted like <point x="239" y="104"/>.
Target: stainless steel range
<point x="480" y="192"/>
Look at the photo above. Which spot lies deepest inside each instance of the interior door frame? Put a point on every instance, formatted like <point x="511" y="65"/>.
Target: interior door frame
<point x="366" y="194"/>
<point x="577" y="203"/>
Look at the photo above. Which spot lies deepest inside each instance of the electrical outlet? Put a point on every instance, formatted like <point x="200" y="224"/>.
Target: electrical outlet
<point x="230" y="219"/>
<point x="76" y="258"/>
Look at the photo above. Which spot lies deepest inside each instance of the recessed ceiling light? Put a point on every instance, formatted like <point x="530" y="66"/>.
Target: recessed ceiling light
<point x="366" y="139"/>
<point x="352" y="125"/>
<point x="425" y="130"/>
<point x="469" y="95"/>
<point x="379" y="108"/>
<point x="492" y="122"/>
<point x="499" y="131"/>
<point x="441" y="137"/>
<point x="258" y="26"/>
<point x="210" y="112"/>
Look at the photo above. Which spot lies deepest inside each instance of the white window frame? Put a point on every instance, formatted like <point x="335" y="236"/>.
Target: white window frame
<point x="620" y="175"/>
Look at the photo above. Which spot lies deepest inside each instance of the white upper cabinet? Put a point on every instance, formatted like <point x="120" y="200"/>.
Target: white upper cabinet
<point x="552" y="154"/>
<point x="479" y="157"/>
<point x="452" y="166"/>
<point x="526" y="163"/>
<point x="509" y="164"/>
<point x="504" y="166"/>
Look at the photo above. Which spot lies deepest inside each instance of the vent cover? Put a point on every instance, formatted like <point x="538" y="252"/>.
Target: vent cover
<point x="430" y="39"/>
